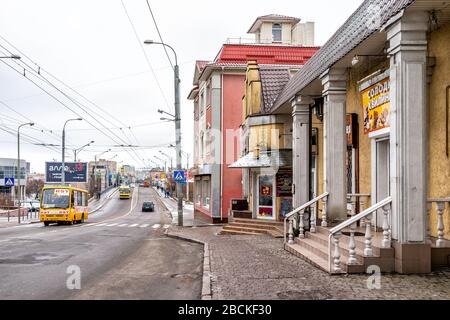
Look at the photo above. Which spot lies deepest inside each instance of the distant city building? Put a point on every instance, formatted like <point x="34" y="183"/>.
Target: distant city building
<point x="8" y="169"/>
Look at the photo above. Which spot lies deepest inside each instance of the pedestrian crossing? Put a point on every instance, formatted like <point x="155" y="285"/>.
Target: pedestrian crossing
<point x="133" y="225"/>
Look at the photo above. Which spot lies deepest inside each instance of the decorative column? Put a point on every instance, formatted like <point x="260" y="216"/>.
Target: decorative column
<point x="300" y="145"/>
<point x="407" y="38"/>
<point x="334" y="83"/>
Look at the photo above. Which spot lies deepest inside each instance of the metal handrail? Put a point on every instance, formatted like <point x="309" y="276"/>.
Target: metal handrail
<point x="302" y="207"/>
<point x="352" y="220"/>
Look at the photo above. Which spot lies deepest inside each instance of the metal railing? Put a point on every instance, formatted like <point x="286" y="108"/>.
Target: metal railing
<point x="335" y="233"/>
<point x="301" y="210"/>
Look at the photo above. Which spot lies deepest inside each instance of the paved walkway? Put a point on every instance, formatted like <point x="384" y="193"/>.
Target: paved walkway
<point x="188" y="211"/>
<point x="257" y="267"/>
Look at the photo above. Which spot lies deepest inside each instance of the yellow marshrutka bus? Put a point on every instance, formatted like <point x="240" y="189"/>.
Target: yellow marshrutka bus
<point x="63" y="205"/>
<point x="124" y="192"/>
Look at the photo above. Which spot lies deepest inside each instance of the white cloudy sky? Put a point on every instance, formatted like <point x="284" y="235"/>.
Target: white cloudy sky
<point x="90" y="45"/>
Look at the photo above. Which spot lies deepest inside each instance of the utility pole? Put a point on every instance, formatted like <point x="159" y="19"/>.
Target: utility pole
<point x="19" y="197"/>
<point x="177" y="128"/>
<point x="63" y="173"/>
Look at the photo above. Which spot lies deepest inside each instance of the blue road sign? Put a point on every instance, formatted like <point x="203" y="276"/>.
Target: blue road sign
<point x="178" y="176"/>
<point x="9" y="182"/>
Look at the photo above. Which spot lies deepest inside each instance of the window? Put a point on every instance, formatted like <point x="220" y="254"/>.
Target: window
<point x="202" y="144"/>
<point x="206" y="192"/>
<point x="208" y="94"/>
<point x="202" y="102"/>
<point x="276" y="32"/>
<point x="198" y="191"/>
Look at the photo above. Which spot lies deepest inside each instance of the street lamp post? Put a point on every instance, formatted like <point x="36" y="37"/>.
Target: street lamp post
<point x="177" y="127"/>
<point x="63" y="173"/>
<point x="95" y="168"/>
<point x="19" y="198"/>
<point x="75" y="151"/>
<point x="169" y="157"/>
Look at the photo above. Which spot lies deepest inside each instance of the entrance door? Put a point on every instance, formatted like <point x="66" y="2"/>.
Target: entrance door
<point x="266" y="197"/>
<point x="382" y="190"/>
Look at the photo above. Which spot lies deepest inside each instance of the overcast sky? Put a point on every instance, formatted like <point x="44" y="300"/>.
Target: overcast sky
<point x="90" y="45"/>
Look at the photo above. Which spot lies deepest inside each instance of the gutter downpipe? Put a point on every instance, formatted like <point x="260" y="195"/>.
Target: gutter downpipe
<point x="221" y="142"/>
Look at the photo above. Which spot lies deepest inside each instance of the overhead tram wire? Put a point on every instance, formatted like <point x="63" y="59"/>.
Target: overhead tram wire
<point x="67" y="107"/>
<point x="159" y="34"/>
<point x="70" y="98"/>
<point x="29" y="138"/>
<point x="146" y="57"/>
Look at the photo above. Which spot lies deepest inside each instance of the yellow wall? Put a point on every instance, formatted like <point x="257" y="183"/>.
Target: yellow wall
<point x="438" y="162"/>
<point x="261" y="136"/>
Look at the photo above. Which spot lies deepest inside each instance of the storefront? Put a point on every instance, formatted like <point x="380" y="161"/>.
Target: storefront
<point x="269" y="184"/>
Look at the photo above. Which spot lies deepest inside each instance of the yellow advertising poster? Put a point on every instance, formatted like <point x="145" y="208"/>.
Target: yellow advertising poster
<point x="376" y="103"/>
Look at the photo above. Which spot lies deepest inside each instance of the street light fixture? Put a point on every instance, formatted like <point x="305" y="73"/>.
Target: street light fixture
<point x="19" y="198"/>
<point x="166" y="119"/>
<point x="75" y="151"/>
<point x="13" y="56"/>
<point x="95" y="168"/>
<point x="63" y="173"/>
<point x="177" y="127"/>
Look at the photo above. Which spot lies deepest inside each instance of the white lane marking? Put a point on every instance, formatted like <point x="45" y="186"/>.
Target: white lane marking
<point x="111" y="225"/>
<point x="100" y="225"/>
<point x="156" y="226"/>
<point x="166" y="226"/>
<point x="144" y="225"/>
<point x="123" y="225"/>
<point x="133" y="225"/>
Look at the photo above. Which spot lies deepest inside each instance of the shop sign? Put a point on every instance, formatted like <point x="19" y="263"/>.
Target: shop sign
<point x="376" y="102"/>
<point x="284" y="183"/>
<point x="351" y="130"/>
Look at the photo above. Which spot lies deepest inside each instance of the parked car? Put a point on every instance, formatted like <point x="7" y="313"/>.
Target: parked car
<point x="148" y="206"/>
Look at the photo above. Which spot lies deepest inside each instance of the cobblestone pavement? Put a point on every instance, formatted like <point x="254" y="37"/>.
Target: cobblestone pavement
<point x="257" y="267"/>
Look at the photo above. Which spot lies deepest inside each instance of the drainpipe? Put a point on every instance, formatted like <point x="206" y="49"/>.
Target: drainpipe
<point x="221" y="143"/>
<point x="447" y="93"/>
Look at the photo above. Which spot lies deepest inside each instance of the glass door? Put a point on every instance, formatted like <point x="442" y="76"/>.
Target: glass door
<point x="266" y="197"/>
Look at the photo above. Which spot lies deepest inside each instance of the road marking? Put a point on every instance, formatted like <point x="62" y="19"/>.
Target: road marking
<point x="123" y="225"/>
<point x="111" y="225"/>
<point x="166" y="226"/>
<point x="133" y="225"/>
<point x="156" y="226"/>
<point x="144" y="225"/>
<point x="100" y="225"/>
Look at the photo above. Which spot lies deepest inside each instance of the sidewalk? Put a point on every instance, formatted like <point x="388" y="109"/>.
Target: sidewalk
<point x="257" y="267"/>
<point x="188" y="211"/>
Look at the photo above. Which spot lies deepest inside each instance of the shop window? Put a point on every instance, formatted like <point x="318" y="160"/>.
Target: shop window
<point x="198" y="191"/>
<point x="206" y="192"/>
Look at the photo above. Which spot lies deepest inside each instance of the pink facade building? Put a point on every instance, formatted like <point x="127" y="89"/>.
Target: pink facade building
<point x="218" y="89"/>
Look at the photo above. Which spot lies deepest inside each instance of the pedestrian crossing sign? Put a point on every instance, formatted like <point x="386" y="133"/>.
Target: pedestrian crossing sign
<point x="9" y="182"/>
<point x="178" y="176"/>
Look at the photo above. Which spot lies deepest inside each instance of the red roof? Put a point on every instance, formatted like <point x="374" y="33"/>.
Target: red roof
<point x="265" y="54"/>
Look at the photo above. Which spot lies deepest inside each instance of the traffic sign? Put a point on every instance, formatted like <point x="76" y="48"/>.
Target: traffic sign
<point x="9" y="182"/>
<point x="178" y="176"/>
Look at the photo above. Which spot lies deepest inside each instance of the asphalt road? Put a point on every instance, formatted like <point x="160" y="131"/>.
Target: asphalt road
<point x="119" y="253"/>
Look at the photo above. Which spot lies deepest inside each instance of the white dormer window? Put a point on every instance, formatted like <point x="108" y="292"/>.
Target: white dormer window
<point x="276" y="32"/>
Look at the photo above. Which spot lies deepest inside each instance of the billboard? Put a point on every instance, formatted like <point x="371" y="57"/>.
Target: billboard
<point x="75" y="172"/>
<point x="376" y="102"/>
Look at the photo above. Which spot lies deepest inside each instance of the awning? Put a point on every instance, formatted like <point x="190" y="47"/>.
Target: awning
<point x="267" y="159"/>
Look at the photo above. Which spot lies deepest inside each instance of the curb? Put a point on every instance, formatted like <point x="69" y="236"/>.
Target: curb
<point x="206" y="279"/>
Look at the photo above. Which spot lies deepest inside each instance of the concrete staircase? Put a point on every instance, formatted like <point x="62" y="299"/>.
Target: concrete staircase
<point x="253" y="227"/>
<point x="314" y="249"/>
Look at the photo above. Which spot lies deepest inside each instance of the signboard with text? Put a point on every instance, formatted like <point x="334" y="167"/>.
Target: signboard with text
<point x="75" y="172"/>
<point x="376" y="102"/>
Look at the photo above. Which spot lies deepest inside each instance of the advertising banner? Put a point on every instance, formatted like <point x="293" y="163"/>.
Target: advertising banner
<point x="75" y="172"/>
<point x="376" y="102"/>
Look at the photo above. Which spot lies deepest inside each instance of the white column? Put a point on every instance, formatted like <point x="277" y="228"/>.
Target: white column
<point x="334" y="83"/>
<point x="407" y="40"/>
<point x="300" y="146"/>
